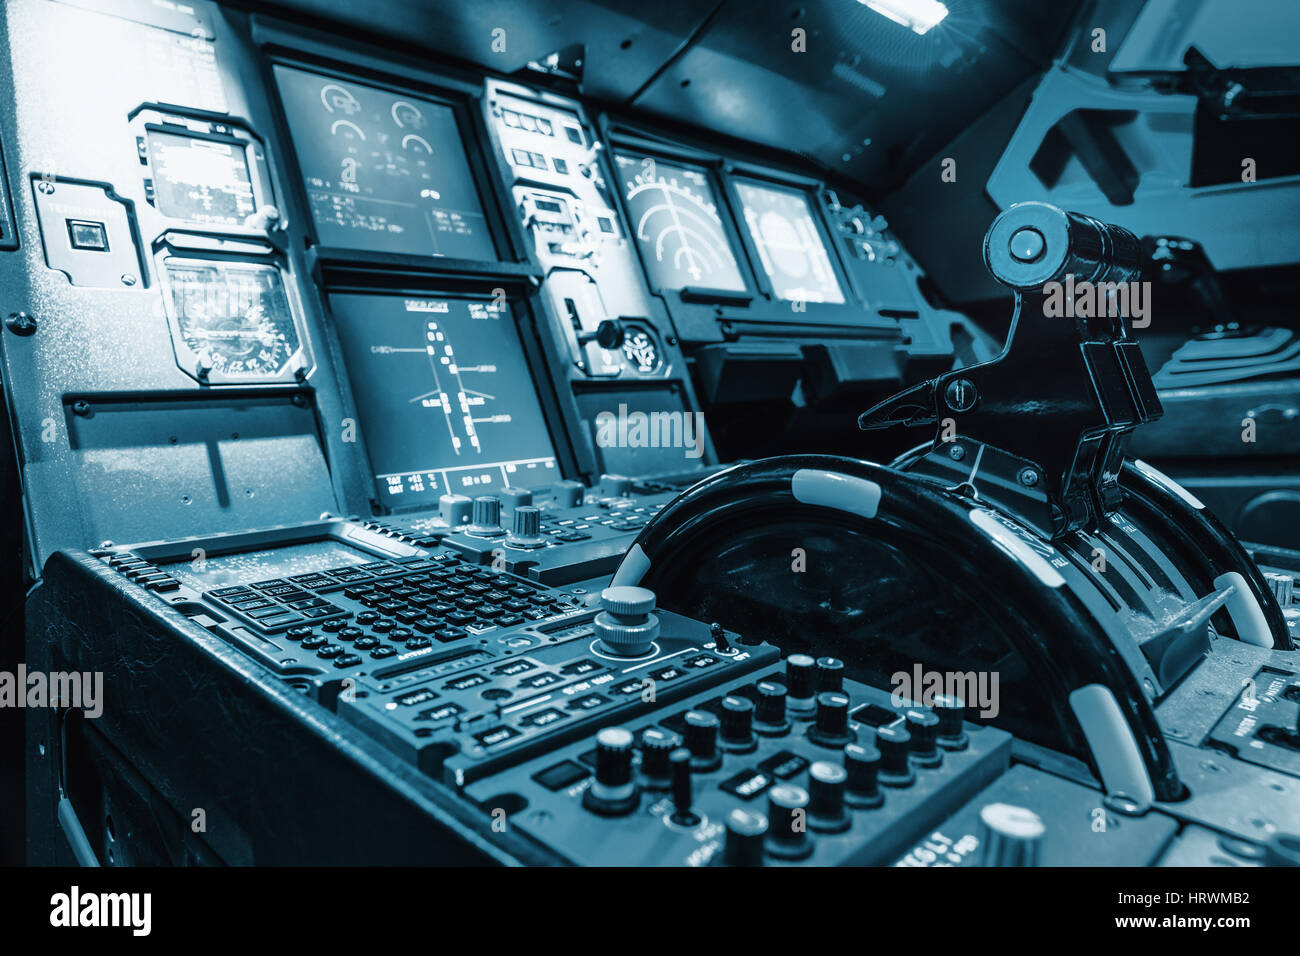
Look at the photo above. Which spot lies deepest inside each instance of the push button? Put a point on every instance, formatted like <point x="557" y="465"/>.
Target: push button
<point x="87" y="235"/>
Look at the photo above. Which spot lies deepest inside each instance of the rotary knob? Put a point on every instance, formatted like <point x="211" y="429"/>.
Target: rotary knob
<point x="455" y="510"/>
<point x="787" y="812"/>
<point x="801" y="683"/>
<point x="613" y="790"/>
<point x="862" y="764"/>
<point x="923" y="725"/>
<point x="769" y="712"/>
<point x="702" y="739"/>
<point x="951" y="712"/>
<point x="526" y="531"/>
<point x="831" y="726"/>
<point x="1010" y="835"/>
<point x="656" y="746"/>
<point x="486" y="521"/>
<point x="830" y="674"/>
<point x="626" y="628"/>
<point x="895" y="744"/>
<point x="826" y="785"/>
<point x="568" y="494"/>
<point x="746" y="831"/>
<point x="738" y="724"/>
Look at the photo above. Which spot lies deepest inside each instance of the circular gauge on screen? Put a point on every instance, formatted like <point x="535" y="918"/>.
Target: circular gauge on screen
<point x="231" y="322"/>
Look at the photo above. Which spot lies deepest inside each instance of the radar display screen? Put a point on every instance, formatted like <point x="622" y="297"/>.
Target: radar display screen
<point x="200" y="180"/>
<point x="384" y="172"/>
<point x="445" y="396"/>
<point x="677" y="225"/>
<point x="231" y="320"/>
<point x="780" y="223"/>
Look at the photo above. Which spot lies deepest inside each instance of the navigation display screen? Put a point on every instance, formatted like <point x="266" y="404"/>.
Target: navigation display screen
<point x="677" y="225"/>
<point x="200" y="180"/>
<point x="384" y="171"/>
<point x="446" y="400"/>
<point x="780" y="223"/>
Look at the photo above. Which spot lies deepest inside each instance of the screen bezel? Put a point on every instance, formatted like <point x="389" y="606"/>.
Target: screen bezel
<point x="522" y="317"/>
<point x="736" y="178"/>
<point x="472" y="146"/>
<point x="711" y="169"/>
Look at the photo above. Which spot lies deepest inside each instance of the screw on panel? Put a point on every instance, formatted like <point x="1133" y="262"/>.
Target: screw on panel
<point x="1027" y="477"/>
<point x="956" y="452"/>
<point x="960" y="394"/>
<point x="81" y="407"/>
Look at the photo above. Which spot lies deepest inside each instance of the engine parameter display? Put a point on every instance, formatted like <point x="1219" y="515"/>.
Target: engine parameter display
<point x="200" y="180"/>
<point x="384" y="171"/>
<point x="445" y="397"/>
<point x="791" y="248"/>
<point x="676" y="222"/>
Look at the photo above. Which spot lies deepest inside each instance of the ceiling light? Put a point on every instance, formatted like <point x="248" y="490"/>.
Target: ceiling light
<point x="917" y="15"/>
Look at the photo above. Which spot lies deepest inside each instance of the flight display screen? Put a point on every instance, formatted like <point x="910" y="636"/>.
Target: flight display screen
<point x="677" y="224"/>
<point x="200" y="180"/>
<point x="445" y="397"/>
<point x="384" y="172"/>
<point x="790" y="247"/>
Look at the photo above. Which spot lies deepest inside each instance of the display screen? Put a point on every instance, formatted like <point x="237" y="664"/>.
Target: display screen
<point x="677" y="224"/>
<point x="204" y="573"/>
<point x="781" y="225"/>
<point x="200" y="180"/>
<point x="384" y="172"/>
<point x="446" y="400"/>
<point x="234" y="317"/>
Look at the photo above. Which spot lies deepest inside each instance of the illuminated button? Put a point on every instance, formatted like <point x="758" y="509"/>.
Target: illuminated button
<point x="87" y="235"/>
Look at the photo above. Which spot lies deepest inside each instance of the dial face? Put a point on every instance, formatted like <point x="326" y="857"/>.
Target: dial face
<point x="780" y="222"/>
<point x="234" y="319"/>
<point x="676" y="223"/>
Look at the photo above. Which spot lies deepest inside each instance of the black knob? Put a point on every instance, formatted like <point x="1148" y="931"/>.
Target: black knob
<point x="895" y="744"/>
<point x="656" y="745"/>
<point x="826" y="785"/>
<point x="800" y="682"/>
<point x="951" y="712"/>
<point x="486" y="521"/>
<point x="831" y="727"/>
<point x="862" y="764"/>
<point x="787" y="814"/>
<point x="769" y="713"/>
<point x="613" y="791"/>
<point x="526" y="529"/>
<point x="702" y="739"/>
<point x="738" y="724"/>
<point x="830" y="674"/>
<point x="746" y="832"/>
<point x="923" y="725"/>
<point x="680" y="762"/>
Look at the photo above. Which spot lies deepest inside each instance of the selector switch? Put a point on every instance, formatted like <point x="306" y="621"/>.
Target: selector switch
<point x="801" y="684"/>
<point x="568" y="494"/>
<point x="831" y="726"/>
<point x="787" y="835"/>
<point x="613" y="791"/>
<point x="923" y="725"/>
<point x="861" y="765"/>
<point x="455" y="510"/>
<point x="526" y="531"/>
<point x="702" y="740"/>
<point x="769" y="713"/>
<point x="826" y="790"/>
<point x="626" y="628"/>
<point x="486" y="520"/>
<point x="746" y="833"/>
<point x="738" y="724"/>
<point x="680" y="762"/>
<point x="895" y="744"/>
